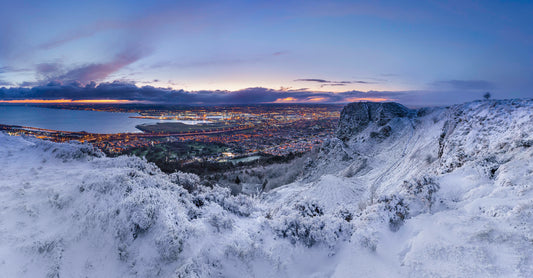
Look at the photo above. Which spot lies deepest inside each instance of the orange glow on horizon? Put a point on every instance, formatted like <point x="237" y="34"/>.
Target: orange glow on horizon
<point x="66" y="101"/>
<point x="285" y="100"/>
<point x="317" y="99"/>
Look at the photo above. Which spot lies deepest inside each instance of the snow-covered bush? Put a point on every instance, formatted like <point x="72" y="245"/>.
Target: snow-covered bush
<point x="217" y="217"/>
<point x="240" y="205"/>
<point x="72" y="151"/>
<point x="396" y="210"/>
<point x="140" y="211"/>
<point x="188" y="181"/>
<point x="309" y="208"/>
<point x="307" y="224"/>
<point x="170" y="242"/>
<point x="345" y="213"/>
<point x="419" y="193"/>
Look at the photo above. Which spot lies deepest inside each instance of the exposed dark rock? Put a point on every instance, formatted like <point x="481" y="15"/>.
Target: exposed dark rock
<point x="382" y="133"/>
<point x="356" y="116"/>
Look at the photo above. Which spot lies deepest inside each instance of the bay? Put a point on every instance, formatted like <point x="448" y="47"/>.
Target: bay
<point x="74" y="120"/>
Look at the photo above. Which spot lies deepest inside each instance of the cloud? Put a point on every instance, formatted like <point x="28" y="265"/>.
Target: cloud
<point x="29" y="84"/>
<point x="47" y="68"/>
<point x="48" y="72"/>
<point x="5" y="83"/>
<point x="324" y="82"/>
<point x="188" y="16"/>
<point x="72" y="36"/>
<point x="333" y="84"/>
<point x="279" y="53"/>
<point x="463" y="84"/>
<point x="94" y="28"/>
<point x="7" y="69"/>
<point x="313" y="80"/>
<point x="129" y="91"/>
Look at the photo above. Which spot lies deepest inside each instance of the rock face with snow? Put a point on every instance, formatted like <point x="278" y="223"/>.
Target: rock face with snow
<point x="445" y="193"/>
<point x="448" y="193"/>
<point x="356" y="116"/>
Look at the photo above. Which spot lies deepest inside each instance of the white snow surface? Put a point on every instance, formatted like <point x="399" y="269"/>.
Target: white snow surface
<point x="447" y="194"/>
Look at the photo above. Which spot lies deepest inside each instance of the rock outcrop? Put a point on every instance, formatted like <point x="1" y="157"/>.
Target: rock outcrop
<point x="356" y="116"/>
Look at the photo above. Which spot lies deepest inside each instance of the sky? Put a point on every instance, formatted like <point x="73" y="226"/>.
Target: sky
<point x="215" y="52"/>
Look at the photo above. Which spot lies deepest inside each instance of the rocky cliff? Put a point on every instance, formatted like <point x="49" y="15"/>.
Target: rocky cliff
<point x="358" y="115"/>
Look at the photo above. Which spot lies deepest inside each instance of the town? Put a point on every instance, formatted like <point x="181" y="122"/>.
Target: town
<point x="220" y="134"/>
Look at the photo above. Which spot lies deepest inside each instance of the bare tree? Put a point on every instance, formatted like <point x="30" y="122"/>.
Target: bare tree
<point x="486" y="95"/>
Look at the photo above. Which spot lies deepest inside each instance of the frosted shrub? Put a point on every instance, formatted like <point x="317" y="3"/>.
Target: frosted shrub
<point x="73" y="151"/>
<point x="309" y="208"/>
<point x="140" y="210"/>
<point x="186" y="180"/>
<point x="170" y="243"/>
<point x="307" y="224"/>
<point x="130" y="162"/>
<point x="345" y="213"/>
<point x="240" y="205"/>
<point x="396" y="210"/>
<point x="297" y="229"/>
<point x="221" y="222"/>
<point x="84" y="151"/>
<point x="152" y="214"/>
<point x="420" y="193"/>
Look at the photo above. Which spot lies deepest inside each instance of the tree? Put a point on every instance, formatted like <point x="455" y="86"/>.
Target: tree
<point x="237" y="180"/>
<point x="486" y="95"/>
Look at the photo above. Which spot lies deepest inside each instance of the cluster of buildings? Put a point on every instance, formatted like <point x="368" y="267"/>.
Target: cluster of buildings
<point x="266" y="129"/>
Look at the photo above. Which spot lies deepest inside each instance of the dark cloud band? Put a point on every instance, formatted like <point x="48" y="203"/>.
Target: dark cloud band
<point x="129" y="91"/>
<point x="258" y="95"/>
<point x="324" y="82"/>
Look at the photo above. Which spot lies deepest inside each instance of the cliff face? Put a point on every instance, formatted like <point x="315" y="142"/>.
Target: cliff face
<point x="358" y="115"/>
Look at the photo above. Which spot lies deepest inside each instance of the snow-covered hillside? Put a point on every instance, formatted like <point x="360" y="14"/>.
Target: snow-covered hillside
<point x="442" y="192"/>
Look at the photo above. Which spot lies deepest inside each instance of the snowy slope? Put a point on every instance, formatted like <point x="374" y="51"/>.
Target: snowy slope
<point x="442" y="192"/>
<point x="68" y="211"/>
<point x="458" y="182"/>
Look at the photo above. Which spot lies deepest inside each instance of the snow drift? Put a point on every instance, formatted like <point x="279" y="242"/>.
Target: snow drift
<point x="440" y="192"/>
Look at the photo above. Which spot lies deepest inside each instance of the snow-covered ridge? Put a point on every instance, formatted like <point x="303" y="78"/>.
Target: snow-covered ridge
<point x="441" y="192"/>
